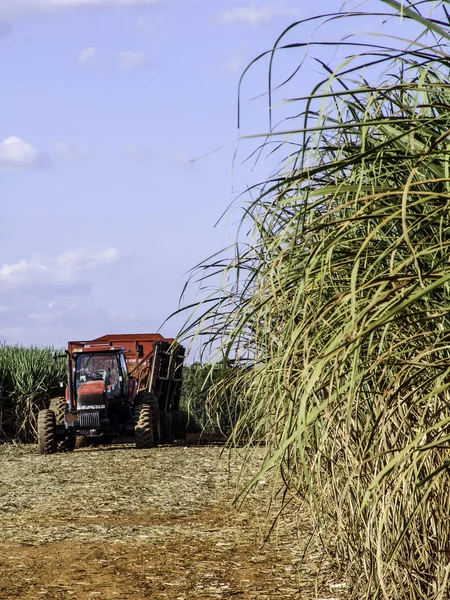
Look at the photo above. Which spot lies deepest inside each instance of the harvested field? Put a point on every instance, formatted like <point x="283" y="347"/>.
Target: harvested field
<point x="118" y="523"/>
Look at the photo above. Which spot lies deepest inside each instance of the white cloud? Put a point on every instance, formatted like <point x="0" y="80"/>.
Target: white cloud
<point x="22" y="8"/>
<point x="73" y="261"/>
<point x="17" y="154"/>
<point x="130" y="60"/>
<point x="65" y="319"/>
<point x="258" y="14"/>
<point x="72" y="154"/>
<point x="138" y="154"/>
<point x="236" y="62"/>
<point x="87" y="55"/>
<point x="42" y="280"/>
<point x="51" y="299"/>
<point x="34" y="279"/>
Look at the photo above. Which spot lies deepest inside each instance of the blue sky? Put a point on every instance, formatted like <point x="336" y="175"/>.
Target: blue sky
<point x="108" y="108"/>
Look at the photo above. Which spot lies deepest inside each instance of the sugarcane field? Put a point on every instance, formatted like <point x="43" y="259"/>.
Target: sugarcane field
<point x="225" y="300"/>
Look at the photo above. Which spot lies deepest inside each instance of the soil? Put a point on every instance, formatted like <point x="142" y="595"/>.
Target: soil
<point x="113" y="522"/>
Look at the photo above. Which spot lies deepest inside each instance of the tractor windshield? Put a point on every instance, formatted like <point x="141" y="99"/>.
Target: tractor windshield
<point x="99" y="366"/>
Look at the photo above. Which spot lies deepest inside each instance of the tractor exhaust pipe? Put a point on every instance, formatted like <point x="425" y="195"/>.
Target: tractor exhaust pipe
<point x="70" y="381"/>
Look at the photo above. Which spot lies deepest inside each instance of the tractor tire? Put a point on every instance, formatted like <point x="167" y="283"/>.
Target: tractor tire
<point x="46" y="427"/>
<point x="179" y="422"/>
<point x="151" y="401"/>
<point x="166" y="427"/>
<point x="143" y="428"/>
<point x="58" y="406"/>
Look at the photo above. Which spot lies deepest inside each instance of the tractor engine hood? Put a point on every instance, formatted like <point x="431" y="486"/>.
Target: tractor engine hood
<point x="91" y="395"/>
<point x="92" y="406"/>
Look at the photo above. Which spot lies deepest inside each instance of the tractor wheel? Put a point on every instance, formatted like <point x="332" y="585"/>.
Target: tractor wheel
<point x="154" y="408"/>
<point x="179" y="422"/>
<point x="143" y="428"/>
<point x="58" y="406"/>
<point x="46" y="432"/>
<point x="151" y="401"/>
<point x="166" y="427"/>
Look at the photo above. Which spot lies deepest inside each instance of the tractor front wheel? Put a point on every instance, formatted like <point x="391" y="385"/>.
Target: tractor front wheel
<point x="46" y="432"/>
<point x="58" y="406"/>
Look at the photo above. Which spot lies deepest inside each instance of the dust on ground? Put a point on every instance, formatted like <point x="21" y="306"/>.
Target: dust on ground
<point x="116" y="523"/>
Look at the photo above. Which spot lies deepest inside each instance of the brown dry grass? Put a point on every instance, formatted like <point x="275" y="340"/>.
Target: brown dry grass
<point x="120" y="523"/>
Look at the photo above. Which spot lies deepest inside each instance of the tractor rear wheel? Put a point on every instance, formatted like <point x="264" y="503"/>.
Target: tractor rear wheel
<point x="143" y="429"/>
<point x="151" y="401"/>
<point x="46" y="427"/>
<point x="179" y="422"/>
<point x="166" y="427"/>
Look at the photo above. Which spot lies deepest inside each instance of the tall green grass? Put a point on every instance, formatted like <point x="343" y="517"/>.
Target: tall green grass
<point x="204" y="416"/>
<point x="336" y="307"/>
<point x="28" y="378"/>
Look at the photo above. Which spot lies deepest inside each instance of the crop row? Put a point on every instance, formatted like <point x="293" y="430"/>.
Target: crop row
<point x="28" y="378"/>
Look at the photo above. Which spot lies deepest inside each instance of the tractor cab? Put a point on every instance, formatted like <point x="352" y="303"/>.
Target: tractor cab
<point x="107" y="367"/>
<point x="99" y="402"/>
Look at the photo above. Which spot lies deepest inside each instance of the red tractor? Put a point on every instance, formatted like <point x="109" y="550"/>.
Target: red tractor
<point x="117" y="385"/>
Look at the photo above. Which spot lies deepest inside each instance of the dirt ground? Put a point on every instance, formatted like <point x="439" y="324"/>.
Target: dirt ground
<point x="125" y="524"/>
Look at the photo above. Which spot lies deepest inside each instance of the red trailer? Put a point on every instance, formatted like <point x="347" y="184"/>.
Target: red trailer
<point x="117" y="385"/>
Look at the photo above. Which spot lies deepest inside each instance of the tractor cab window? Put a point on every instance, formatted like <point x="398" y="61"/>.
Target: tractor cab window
<point x="99" y="366"/>
<point x="124" y="369"/>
